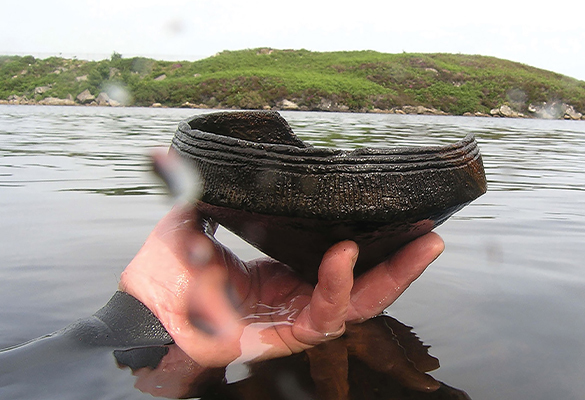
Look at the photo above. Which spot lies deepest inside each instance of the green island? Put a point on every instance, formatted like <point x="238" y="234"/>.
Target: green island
<point x="265" y="78"/>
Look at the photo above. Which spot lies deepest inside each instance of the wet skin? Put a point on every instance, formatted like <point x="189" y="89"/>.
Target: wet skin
<point x="219" y="309"/>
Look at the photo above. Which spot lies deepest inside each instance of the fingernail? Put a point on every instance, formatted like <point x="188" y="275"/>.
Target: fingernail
<point x="354" y="258"/>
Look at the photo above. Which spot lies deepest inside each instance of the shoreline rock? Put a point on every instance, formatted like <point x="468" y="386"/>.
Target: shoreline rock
<point x="54" y="101"/>
<point x="85" y="97"/>
<point x="558" y="111"/>
<point x="555" y="110"/>
<point x="288" y="105"/>
<point x="506" y="111"/>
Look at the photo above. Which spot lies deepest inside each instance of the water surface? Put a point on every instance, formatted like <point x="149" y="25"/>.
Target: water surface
<point x="503" y="308"/>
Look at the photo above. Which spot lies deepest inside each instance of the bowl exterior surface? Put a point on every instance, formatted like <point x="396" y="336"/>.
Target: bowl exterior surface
<point x="293" y="201"/>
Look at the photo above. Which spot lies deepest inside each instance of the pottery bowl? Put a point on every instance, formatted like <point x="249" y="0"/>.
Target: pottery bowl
<point x="293" y="201"/>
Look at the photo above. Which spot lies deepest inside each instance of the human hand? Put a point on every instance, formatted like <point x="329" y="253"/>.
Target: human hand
<point x="220" y="310"/>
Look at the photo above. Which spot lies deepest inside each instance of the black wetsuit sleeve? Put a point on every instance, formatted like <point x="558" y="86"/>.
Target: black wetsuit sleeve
<point x="123" y="322"/>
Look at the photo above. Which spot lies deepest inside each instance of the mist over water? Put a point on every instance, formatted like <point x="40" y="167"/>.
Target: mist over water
<point x="503" y="308"/>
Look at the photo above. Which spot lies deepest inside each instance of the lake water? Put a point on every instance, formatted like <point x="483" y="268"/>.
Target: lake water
<point x="503" y="308"/>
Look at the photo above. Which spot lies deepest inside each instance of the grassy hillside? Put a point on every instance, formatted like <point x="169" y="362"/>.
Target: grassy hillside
<point x="263" y="78"/>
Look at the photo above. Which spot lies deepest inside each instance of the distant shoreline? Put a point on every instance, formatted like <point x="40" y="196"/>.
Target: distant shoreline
<point x="410" y="110"/>
<point x="291" y="80"/>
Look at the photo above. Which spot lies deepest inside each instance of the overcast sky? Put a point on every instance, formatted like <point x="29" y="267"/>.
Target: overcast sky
<point x="542" y="33"/>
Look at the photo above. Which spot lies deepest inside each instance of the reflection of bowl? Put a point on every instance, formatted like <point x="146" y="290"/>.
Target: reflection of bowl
<point x="293" y="201"/>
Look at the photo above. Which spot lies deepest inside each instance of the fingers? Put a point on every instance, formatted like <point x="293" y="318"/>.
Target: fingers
<point x="381" y="286"/>
<point x="337" y="299"/>
<point x="325" y="315"/>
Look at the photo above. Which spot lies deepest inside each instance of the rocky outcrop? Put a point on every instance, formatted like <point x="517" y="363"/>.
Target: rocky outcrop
<point x="421" y="110"/>
<point x="15" y="99"/>
<point x="506" y="111"/>
<point x="288" y="105"/>
<point x="412" y="110"/>
<point x="104" y="100"/>
<point x="476" y="114"/>
<point x="570" y="113"/>
<point x="42" y="89"/>
<point x="192" y="105"/>
<point x="554" y="110"/>
<point x="325" y="105"/>
<point x="331" y="105"/>
<point x="85" y="97"/>
<point x="54" y="101"/>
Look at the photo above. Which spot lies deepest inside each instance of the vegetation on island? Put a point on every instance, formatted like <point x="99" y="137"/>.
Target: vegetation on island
<point x="290" y="79"/>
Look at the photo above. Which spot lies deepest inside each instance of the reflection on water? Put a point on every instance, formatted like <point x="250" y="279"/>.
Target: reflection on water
<point x="380" y="358"/>
<point x="503" y="307"/>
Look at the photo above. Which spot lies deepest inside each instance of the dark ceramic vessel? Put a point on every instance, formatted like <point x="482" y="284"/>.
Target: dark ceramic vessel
<point x="293" y="201"/>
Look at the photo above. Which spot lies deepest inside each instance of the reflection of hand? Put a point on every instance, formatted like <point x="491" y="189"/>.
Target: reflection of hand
<point x="172" y="378"/>
<point x="385" y="345"/>
<point x="380" y="346"/>
<point x="219" y="309"/>
<point x="380" y="358"/>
